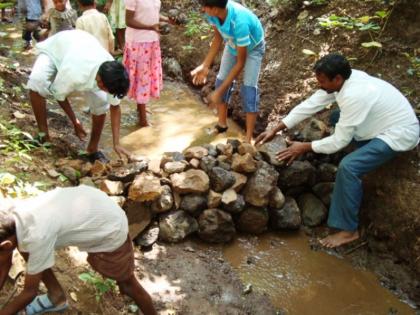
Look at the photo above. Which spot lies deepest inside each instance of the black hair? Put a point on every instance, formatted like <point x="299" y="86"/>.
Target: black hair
<point x="333" y="64"/>
<point x="7" y="225"/>
<point x="214" y="3"/>
<point x="115" y="78"/>
<point x="86" y="3"/>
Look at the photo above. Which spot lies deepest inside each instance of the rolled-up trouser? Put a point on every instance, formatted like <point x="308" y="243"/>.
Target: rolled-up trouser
<point x="249" y="89"/>
<point x="42" y="76"/>
<point x="348" y="190"/>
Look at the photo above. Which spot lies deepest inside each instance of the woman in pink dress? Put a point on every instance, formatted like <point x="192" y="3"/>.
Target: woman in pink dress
<point x="142" y="56"/>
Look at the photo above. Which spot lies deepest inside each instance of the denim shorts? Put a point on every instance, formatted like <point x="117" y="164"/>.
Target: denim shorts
<point x="251" y="72"/>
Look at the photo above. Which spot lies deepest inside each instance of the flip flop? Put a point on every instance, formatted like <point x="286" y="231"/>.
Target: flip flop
<point x="220" y="129"/>
<point x="98" y="155"/>
<point x="42" y="304"/>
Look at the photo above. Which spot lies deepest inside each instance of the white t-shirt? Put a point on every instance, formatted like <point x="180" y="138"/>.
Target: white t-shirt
<point x="369" y="108"/>
<point x="80" y="216"/>
<point x="77" y="55"/>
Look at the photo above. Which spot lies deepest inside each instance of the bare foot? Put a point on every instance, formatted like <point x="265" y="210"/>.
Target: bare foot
<point x="339" y="238"/>
<point x="143" y="123"/>
<point x="79" y="130"/>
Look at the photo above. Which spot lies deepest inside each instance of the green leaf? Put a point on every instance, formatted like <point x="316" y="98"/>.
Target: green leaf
<point x="372" y="44"/>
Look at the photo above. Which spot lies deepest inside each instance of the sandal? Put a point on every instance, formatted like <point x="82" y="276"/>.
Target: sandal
<point x="220" y="129"/>
<point x="42" y="304"/>
<point x="98" y="155"/>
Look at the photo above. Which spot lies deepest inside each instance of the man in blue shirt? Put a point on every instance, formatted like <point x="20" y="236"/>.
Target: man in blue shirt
<point x="244" y="36"/>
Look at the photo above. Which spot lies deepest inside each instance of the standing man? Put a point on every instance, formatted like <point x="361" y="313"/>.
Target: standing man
<point x="373" y="113"/>
<point x="75" y="61"/>
<point x="243" y="33"/>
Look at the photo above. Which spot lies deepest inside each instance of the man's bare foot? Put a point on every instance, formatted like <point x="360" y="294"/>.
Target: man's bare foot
<point x="339" y="238"/>
<point x="79" y="130"/>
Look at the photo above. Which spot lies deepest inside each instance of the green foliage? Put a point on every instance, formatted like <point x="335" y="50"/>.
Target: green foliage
<point x="414" y="69"/>
<point x="196" y="26"/>
<point x="317" y="2"/>
<point x="362" y="24"/>
<point x="18" y="187"/>
<point x="100" y="284"/>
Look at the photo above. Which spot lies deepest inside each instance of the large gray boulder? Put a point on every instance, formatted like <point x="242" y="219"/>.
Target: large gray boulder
<point x="270" y="149"/>
<point x="232" y="203"/>
<point x="288" y="217"/>
<point x="277" y="198"/>
<point x="139" y="217"/>
<point x="313" y="210"/>
<point x="207" y="163"/>
<point x="216" y="226"/>
<point x="260" y="184"/>
<point x="324" y="192"/>
<point x="165" y="201"/>
<point x="221" y="179"/>
<point x="176" y="226"/>
<point x="299" y="173"/>
<point x="193" y="204"/>
<point x="326" y="172"/>
<point x="128" y="172"/>
<point x="253" y="220"/>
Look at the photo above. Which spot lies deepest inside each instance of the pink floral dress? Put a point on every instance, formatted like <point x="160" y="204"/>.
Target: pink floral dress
<point x="142" y="55"/>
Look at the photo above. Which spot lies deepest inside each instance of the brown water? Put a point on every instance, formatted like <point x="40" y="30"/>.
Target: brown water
<point x="298" y="280"/>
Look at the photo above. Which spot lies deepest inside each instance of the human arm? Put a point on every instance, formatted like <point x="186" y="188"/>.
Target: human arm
<point x="115" y="126"/>
<point x="28" y="293"/>
<point x="130" y="21"/>
<point x="216" y="96"/>
<point x="107" y="6"/>
<point x="199" y="74"/>
<point x="5" y="265"/>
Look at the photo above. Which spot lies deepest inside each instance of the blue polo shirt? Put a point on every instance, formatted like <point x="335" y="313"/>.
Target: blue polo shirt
<point x="241" y="28"/>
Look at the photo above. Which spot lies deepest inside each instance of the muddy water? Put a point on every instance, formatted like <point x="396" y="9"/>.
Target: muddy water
<point x="298" y="280"/>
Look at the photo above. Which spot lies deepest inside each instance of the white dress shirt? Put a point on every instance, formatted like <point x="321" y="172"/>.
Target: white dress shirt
<point x="369" y="108"/>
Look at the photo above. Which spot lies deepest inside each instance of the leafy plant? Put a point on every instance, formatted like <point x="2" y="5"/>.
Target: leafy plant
<point x="362" y="24"/>
<point x="17" y="187"/>
<point x="101" y="285"/>
<point x="414" y="69"/>
<point x="196" y="26"/>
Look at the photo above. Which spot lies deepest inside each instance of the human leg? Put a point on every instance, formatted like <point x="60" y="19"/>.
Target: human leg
<point x="142" y="115"/>
<point x="249" y="90"/>
<point x="133" y="289"/>
<point x="40" y="111"/>
<point x="98" y="122"/>
<point x="120" y="34"/>
<point x="348" y="190"/>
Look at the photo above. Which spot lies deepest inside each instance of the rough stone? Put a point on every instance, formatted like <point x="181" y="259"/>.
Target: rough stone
<point x="171" y="66"/>
<point x="128" y="172"/>
<point x="240" y="181"/>
<point x="244" y="163"/>
<point x="224" y="149"/>
<point x="324" y="192"/>
<point x="211" y="149"/>
<point x="235" y="206"/>
<point x="235" y="143"/>
<point x="196" y="152"/>
<point x="314" y="130"/>
<point x="326" y="172"/>
<point x="145" y="187"/>
<point x="195" y="163"/>
<point x="288" y="217"/>
<point x="257" y="189"/>
<point x="69" y="172"/>
<point x="139" y="217"/>
<point x="176" y="226"/>
<point x="276" y="198"/>
<point x="216" y="226"/>
<point x="313" y="210"/>
<point x="207" y="163"/>
<point x="98" y="169"/>
<point x="253" y="220"/>
<point x="112" y="188"/>
<point x="154" y="166"/>
<point x="174" y="167"/>
<point x="164" y="202"/>
<point x="299" y="173"/>
<point x="87" y="181"/>
<point x="148" y="237"/>
<point x="191" y="181"/>
<point x="247" y="148"/>
<point x="270" y="149"/>
<point x="214" y="199"/>
<point x="193" y="204"/>
<point x="221" y="179"/>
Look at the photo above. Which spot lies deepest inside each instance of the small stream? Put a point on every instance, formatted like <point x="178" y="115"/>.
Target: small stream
<point x="298" y="280"/>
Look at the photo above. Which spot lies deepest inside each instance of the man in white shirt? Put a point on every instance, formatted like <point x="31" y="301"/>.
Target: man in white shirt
<point x="373" y="113"/>
<point x="75" y="61"/>
<point x="76" y="216"/>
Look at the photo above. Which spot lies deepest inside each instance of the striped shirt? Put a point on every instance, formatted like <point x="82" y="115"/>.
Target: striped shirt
<point x="76" y="216"/>
<point x="241" y="28"/>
